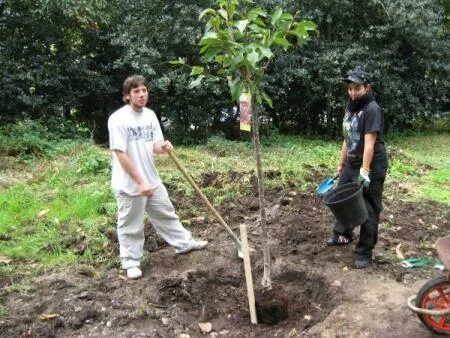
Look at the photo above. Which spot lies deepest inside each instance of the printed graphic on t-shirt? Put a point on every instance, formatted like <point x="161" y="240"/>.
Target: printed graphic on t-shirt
<point x="141" y="133"/>
<point x="350" y="129"/>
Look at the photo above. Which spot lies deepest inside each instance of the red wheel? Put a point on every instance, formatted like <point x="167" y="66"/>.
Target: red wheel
<point x="435" y="295"/>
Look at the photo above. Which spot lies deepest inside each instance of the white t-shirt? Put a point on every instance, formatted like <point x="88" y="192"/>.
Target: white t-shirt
<point x="134" y="133"/>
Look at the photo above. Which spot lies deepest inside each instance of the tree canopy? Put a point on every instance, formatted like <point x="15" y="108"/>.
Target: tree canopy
<point x="65" y="61"/>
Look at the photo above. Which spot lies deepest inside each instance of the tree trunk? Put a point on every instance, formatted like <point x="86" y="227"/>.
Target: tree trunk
<point x="266" y="280"/>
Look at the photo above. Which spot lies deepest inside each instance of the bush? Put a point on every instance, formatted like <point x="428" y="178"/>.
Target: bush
<point x="401" y="43"/>
<point x="59" y="63"/>
<point x="31" y="138"/>
<point x="93" y="161"/>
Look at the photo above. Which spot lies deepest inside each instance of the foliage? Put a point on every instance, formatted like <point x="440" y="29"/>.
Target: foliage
<point x="29" y="138"/>
<point x="93" y="161"/>
<point x="241" y="44"/>
<point x="400" y="42"/>
<point x="54" y="61"/>
<point x="65" y="61"/>
<point x="147" y="50"/>
<point x="446" y="6"/>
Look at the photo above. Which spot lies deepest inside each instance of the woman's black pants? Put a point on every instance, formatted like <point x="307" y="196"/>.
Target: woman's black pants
<point x="373" y="197"/>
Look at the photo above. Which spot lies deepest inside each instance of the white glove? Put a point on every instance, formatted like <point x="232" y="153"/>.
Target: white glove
<point x="364" y="177"/>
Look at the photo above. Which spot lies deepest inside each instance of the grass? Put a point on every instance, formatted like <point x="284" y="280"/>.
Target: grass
<point x="59" y="210"/>
<point x="58" y="216"/>
<point x="425" y="164"/>
<point x="56" y="209"/>
<point x="293" y="157"/>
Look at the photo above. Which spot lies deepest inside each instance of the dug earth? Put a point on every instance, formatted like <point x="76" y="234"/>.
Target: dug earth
<point x="203" y="294"/>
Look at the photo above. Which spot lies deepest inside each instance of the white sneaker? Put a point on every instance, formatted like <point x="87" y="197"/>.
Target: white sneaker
<point x="134" y="273"/>
<point x="199" y="245"/>
<point x="195" y="245"/>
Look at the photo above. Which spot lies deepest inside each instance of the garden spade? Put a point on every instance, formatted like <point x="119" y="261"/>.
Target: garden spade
<point x="236" y="240"/>
<point x="326" y="185"/>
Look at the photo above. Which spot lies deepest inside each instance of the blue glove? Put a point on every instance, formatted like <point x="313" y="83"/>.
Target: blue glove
<point x="364" y="177"/>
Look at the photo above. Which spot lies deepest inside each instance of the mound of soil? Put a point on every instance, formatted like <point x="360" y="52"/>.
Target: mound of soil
<point x="203" y="293"/>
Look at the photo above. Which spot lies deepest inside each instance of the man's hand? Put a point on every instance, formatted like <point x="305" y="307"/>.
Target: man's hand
<point x="145" y="189"/>
<point x="364" y="177"/>
<point x="162" y="147"/>
<point x="166" y="146"/>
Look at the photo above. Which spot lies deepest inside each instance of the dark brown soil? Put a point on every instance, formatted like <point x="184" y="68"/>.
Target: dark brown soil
<point x="271" y="305"/>
<point x="326" y="296"/>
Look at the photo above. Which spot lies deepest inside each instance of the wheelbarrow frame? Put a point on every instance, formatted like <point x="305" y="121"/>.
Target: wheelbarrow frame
<point x="436" y="319"/>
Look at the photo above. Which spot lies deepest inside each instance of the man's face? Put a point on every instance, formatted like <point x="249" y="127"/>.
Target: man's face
<point x="356" y="90"/>
<point x="138" y="97"/>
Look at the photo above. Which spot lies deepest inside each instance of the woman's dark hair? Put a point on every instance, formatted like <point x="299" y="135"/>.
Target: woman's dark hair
<point x="130" y="83"/>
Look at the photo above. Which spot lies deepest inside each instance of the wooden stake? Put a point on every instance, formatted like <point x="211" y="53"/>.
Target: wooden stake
<point x="248" y="274"/>
<point x="194" y="185"/>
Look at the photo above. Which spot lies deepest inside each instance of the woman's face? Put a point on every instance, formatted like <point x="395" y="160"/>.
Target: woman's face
<point x="356" y="90"/>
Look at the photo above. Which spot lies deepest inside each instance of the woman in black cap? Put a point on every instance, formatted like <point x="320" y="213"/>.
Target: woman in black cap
<point x="363" y="159"/>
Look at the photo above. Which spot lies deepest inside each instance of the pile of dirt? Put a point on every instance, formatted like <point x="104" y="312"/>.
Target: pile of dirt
<point x="326" y="296"/>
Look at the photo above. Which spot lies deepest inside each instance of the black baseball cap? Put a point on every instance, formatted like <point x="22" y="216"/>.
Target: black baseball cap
<point x="357" y="75"/>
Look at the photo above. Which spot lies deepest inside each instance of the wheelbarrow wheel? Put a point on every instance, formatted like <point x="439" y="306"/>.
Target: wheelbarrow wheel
<point x="435" y="295"/>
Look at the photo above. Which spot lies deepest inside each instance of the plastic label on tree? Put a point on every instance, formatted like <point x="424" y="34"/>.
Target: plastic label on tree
<point x="245" y="113"/>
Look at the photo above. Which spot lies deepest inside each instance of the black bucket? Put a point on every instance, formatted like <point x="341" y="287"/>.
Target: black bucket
<point x="347" y="204"/>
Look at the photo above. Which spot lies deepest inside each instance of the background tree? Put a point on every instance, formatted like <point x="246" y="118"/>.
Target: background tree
<point x="403" y="45"/>
<point x="150" y="33"/>
<point x="52" y="60"/>
<point x="63" y="62"/>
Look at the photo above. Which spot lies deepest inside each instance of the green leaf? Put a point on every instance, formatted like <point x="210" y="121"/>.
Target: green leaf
<point x="236" y="88"/>
<point x="286" y="17"/>
<point x="231" y="9"/>
<point x="205" y="48"/>
<point x="253" y="58"/>
<point x="223" y="13"/>
<point x="255" y="28"/>
<point x="267" y="99"/>
<point x="237" y="60"/>
<point x="266" y="51"/>
<point x="215" y="22"/>
<point x="302" y="29"/>
<point x="227" y="61"/>
<point x="258" y="21"/>
<point x="225" y="36"/>
<point x="300" y="32"/>
<point x="276" y="16"/>
<point x="281" y="42"/>
<point x="197" y="70"/>
<point x="196" y="82"/>
<point x="254" y="13"/>
<point x="221" y="72"/>
<point x="210" y="53"/>
<point x="180" y="61"/>
<point x="209" y="38"/>
<point x="241" y="25"/>
<point x="206" y="11"/>
<point x="309" y="25"/>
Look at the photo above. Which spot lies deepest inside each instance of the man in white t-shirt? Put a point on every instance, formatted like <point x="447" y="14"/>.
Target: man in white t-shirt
<point x="134" y="136"/>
